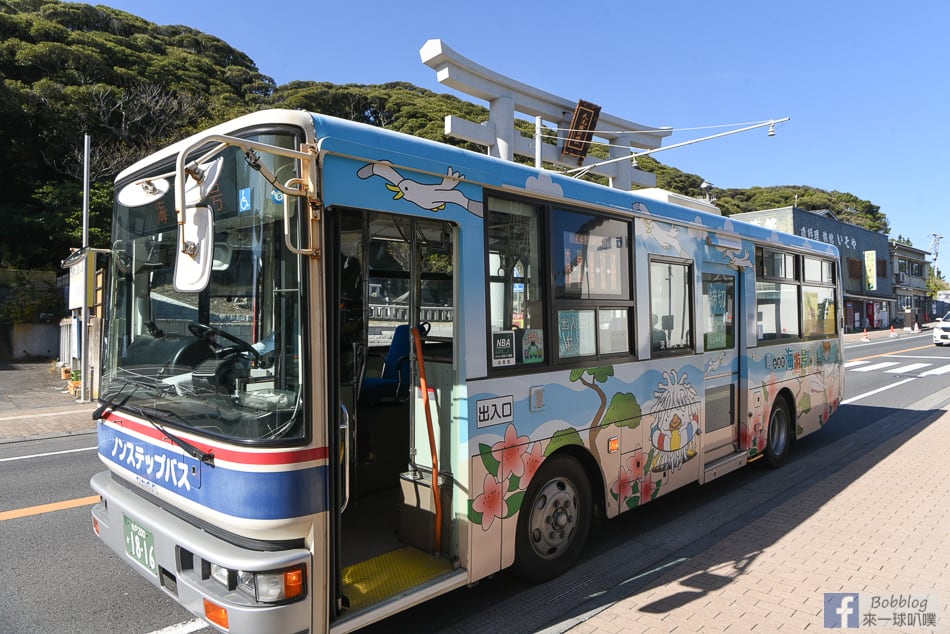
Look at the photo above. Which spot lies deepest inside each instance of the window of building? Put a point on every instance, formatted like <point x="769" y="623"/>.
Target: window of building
<point x="671" y="307"/>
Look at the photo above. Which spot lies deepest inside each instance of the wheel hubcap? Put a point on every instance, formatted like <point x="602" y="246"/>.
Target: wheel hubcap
<point x="553" y="519"/>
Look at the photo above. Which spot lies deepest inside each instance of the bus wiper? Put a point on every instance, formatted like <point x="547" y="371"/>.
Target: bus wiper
<point x="151" y="416"/>
<point x="110" y="403"/>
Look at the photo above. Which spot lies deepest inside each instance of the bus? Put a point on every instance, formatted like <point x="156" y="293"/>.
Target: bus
<point x="346" y="370"/>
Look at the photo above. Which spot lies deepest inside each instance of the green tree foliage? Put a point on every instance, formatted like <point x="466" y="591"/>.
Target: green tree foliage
<point x="70" y="69"/>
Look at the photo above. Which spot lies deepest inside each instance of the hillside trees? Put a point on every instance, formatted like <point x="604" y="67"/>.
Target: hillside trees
<point x="73" y="69"/>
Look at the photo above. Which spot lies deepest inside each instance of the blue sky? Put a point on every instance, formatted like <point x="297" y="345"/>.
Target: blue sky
<point x="866" y="84"/>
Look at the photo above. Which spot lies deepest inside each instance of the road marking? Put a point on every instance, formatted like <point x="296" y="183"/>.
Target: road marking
<point x="46" y="415"/>
<point x="888" y="354"/>
<point x="878" y="390"/>
<point x="906" y="369"/>
<point x="48" y="508"/>
<point x="853" y="364"/>
<point x="937" y="371"/>
<point x="877" y="366"/>
<point x="183" y="628"/>
<point x="51" y="453"/>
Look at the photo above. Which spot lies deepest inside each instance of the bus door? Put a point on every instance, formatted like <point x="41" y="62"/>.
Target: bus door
<point x="391" y="276"/>
<point x="720" y="308"/>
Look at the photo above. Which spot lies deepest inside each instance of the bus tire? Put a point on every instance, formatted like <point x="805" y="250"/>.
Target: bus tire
<point x="554" y="519"/>
<point x="779" y="434"/>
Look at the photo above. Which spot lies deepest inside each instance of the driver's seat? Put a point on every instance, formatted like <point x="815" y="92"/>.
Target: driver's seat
<point x="393" y="383"/>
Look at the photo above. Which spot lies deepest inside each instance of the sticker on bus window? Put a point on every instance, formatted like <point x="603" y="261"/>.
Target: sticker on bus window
<point x="502" y="348"/>
<point x="532" y="346"/>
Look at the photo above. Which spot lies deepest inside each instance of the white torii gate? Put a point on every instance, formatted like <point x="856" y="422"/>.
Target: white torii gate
<point x="506" y="96"/>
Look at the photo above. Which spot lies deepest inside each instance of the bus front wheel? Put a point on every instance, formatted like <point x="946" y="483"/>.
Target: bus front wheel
<point x="554" y="519"/>
<point x="779" y="438"/>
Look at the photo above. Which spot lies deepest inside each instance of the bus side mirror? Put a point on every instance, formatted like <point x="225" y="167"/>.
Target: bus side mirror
<point x="195" y="255"/>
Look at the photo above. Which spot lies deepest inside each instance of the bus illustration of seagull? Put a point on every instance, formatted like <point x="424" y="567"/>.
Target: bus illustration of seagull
<point x="433" y="196"/>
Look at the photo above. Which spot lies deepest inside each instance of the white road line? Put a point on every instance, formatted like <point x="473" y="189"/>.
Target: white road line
<point x="51" y="453"/>
<point x="878" y="366"/>
<point x="46" y="415"/>
<point x="906" y="369"/>
<point x="878" y="390"/>
<point x="183" y="628"/>
<point x="937" y="371"/>
<point x="854" y="364"/>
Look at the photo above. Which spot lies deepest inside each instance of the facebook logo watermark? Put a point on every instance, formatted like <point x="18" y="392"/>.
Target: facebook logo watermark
<point x="841" y="609"/>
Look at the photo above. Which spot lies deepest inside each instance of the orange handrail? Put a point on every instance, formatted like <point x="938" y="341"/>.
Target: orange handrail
<point x="423" y="384"/>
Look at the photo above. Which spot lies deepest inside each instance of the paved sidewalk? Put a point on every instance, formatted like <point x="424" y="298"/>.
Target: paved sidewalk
<point x="34" y="403"/>
<point x="880" y="525"/>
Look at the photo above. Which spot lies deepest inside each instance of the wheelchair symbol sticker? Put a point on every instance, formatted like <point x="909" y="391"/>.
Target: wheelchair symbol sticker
<point x="277" y="197"/>
<point x="244" y="199"/>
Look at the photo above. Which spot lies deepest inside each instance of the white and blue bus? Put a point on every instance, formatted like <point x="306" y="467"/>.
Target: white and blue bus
<point x="347" y="370"/>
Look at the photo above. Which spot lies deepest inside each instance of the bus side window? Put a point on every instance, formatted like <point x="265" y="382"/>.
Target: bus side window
<point x="671" y="301"/>
<point x="516" y="298"/>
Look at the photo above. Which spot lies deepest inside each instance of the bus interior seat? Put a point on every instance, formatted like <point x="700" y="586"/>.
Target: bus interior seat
<point x="393" y="383"/>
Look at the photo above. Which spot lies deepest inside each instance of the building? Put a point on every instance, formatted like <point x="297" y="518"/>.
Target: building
<point x="911" y="271"/>
<point x="865" y="261"/>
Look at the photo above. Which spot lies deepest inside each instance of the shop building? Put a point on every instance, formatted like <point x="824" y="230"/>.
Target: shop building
<point x="911" y="271"/>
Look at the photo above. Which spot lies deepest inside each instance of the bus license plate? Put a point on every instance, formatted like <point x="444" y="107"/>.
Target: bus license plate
<point x="139" y="544"/>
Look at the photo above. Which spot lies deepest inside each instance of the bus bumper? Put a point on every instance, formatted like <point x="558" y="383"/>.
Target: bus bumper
<point x="177" y="557"/>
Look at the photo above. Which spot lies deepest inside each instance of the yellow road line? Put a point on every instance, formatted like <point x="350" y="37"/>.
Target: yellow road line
<point x="48" y="508"/>
<point x="887" y="354"/>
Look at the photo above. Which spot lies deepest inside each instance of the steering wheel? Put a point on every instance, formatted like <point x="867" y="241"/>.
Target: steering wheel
<point x="203" y="330"/>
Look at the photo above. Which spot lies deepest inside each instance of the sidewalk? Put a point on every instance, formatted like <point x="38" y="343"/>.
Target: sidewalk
<point x="877" y="526"/>
<point x="34" y="403"/>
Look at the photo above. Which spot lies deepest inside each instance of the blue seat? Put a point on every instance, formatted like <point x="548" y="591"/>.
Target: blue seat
<point x="393" y="384"/>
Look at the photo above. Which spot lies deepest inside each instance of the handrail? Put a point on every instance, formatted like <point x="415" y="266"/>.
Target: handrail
<point x="424" y="386"/>
<point x="310" y="250"/>
<point x="345" y="458"/>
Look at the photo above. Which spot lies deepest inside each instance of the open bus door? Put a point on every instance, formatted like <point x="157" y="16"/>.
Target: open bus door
<point x="393" y="281"/>
<point x="721" y="359"/>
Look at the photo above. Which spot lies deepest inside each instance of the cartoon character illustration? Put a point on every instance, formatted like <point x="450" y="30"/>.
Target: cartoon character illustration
<point x="675" y="429"/>
<point x="431" y="196"/>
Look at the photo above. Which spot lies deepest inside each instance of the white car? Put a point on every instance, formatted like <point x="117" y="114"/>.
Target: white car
<point x="942" y="330"/>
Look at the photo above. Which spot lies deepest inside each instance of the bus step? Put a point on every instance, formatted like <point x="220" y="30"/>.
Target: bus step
<point x="724" y="465"/>
<point x="389" y="575"/>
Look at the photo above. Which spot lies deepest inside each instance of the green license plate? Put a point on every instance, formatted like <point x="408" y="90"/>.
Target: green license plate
<point x="139" y="544"/>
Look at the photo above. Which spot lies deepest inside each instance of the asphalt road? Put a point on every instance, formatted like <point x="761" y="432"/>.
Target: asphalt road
<point x="60" y="578"/>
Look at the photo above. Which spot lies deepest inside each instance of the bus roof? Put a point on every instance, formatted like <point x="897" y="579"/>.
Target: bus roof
<point x="374" y="144"/>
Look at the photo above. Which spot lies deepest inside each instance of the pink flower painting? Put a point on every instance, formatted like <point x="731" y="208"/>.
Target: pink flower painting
<point x="508" y="453"/>
<point x="491" y="503"/>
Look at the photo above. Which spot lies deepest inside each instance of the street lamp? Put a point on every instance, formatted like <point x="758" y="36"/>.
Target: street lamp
<point x="578" y="172"/>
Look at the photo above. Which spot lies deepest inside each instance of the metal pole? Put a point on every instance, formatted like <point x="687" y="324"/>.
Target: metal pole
<point x="537" y="142"/>
<point x="84" y="329"/>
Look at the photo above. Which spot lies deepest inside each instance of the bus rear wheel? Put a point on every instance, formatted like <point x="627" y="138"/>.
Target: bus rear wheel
<point x="779" y="438"/>
<point x="554" y="519"/>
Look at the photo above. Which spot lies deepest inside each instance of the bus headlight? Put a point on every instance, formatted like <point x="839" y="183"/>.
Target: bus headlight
<point x="272" y="587"/>
<point x="220" y="574"/>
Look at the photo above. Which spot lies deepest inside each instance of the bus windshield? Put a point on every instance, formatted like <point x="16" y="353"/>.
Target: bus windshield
<point x="224" y="361"/>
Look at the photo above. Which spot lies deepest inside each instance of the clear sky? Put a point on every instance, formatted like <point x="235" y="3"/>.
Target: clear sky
<point x="866" y="83"/>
